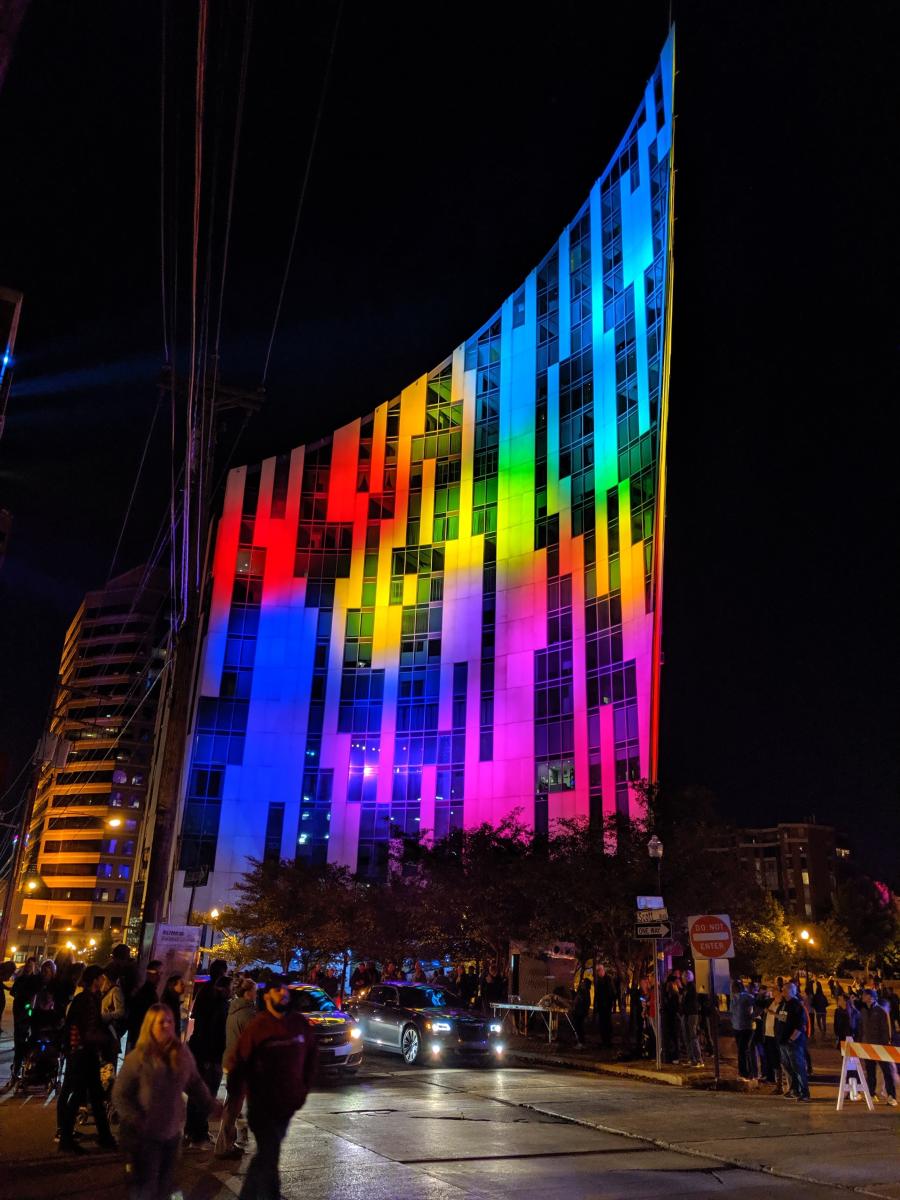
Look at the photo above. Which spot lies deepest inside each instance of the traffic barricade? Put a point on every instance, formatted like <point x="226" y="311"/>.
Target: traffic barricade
<point x="851" y="1054"/>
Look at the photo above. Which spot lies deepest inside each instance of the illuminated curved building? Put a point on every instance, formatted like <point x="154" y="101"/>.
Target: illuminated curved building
<point x="449" y="609"/>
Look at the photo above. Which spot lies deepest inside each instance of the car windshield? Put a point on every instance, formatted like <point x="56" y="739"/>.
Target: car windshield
<point x="313" y="1000"/>
<point x="427" y="997"/>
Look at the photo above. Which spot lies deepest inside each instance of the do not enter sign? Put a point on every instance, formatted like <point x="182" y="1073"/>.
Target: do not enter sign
<point x="711" y="936"/>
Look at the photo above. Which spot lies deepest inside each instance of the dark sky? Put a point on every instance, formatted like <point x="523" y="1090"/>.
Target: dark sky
<point x="456" y="142"/>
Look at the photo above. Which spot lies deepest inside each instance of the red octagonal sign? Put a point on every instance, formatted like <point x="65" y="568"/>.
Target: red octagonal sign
<point x="711" y="936"/>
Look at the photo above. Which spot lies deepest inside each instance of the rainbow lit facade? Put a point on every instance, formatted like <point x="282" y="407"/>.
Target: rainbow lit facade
<point x="449" y="609"/>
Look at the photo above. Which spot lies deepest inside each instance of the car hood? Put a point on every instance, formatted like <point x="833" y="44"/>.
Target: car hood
<point x="455" y="1014"/>
<point x="325" y="1021"/>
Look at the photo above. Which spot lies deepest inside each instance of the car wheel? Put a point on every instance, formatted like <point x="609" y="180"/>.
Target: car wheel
<point x="410" y="1045"/>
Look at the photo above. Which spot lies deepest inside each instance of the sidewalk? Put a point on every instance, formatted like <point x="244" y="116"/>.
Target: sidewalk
<point x="592" y="1057"/>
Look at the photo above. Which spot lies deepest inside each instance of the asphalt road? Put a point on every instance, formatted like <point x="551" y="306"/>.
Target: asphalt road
<point x="397" y="1133"/>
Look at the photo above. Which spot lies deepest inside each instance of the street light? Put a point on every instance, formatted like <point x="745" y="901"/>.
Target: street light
<point x="114" y="822"/>
<point x="655" y="850"/>
<point x="807" y="941"/>
<point x="214" y="913"/>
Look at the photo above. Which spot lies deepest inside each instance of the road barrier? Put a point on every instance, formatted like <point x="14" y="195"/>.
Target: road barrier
<point x="851" y="1053"/>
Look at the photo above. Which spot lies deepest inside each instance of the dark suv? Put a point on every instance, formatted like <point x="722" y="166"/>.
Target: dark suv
<point x="424" y="1023"/>
<point x="338" y="1037"/>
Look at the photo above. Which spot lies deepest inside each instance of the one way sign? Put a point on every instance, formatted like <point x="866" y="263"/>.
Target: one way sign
<point x="662" y="929"/>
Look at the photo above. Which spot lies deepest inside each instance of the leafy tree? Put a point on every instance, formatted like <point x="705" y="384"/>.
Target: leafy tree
<point x="833" y="946"/>
<point x="478" y="890"/>
<point x="764" y="942"/>
<point x="867" y="911"/>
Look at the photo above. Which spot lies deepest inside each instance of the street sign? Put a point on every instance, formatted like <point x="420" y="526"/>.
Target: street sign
<point x="650" y="902"/>
<point x="651" y="916"/>
<point x="196" y="876"/>
<point x="710" y="936"/>
<point x="662" y="929"/>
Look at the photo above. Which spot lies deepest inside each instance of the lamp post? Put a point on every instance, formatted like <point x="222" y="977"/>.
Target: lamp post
<point x="655" y="850"/>
<point x="807" y="941"/>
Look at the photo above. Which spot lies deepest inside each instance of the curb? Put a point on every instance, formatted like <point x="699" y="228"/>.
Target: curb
<point x="701" y="1081"/>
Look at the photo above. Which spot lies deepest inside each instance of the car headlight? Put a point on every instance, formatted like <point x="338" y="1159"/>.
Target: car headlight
<point x="441" y="1026"/>
<point x="355" y="1033"/>
<point x="495" y="1027"/>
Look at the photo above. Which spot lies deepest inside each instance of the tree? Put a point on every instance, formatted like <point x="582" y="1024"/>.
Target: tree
<point x="868" y="912"/>
<point x="764" y="942"/>
<point x="833" y="945"/>
<point x="285" y="908"/>
<point x="478" y="890"/>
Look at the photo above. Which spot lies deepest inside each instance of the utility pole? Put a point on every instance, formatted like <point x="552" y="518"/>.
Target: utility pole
<point x="218" y="401"/>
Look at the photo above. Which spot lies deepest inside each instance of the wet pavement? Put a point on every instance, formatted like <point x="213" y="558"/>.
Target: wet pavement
<point x="398" y="1133"/>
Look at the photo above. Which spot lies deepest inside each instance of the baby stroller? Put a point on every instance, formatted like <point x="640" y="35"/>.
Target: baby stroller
<point x="41" y="1064"/>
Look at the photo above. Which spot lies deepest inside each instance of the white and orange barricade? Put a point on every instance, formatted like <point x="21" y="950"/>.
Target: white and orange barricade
<point x="851" y="1054"/>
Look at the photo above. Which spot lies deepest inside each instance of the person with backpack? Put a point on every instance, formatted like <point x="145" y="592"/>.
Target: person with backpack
<point x="85" y="1040"/>
<point x="207" y="1043"/>
<point x="274" y="1059"/>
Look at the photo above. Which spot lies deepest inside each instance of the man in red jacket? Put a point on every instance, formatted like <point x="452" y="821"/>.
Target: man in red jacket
<point x="274" y="1060"/>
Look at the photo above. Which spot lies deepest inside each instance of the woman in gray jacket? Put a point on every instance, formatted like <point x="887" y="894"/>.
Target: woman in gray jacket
<point x="149" y="1098"/>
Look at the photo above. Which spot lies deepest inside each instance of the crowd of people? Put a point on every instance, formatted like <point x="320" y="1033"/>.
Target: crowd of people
<point x="124" y="1064"/>
<point x="775" y="1026"/>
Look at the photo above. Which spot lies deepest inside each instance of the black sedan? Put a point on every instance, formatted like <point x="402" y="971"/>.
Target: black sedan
<point x="338" y="1036"/>
<point x="423" y="1023"/>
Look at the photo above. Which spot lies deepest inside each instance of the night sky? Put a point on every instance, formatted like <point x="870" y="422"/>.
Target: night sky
<point x="456" y="142"/>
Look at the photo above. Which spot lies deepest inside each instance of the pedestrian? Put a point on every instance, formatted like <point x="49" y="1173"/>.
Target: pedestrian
<point x="690" y="1011"/>
<point x="172" y="996"/>
<point x="112" y="1001"/>
<point x="7" y="971"/>
<point x="604" y="999"/>
<point x="85" y="1040"/>
<point x="742" y="1026"/>
<point x="241" y="1012"/>
<point x="845" y="1021"/>
<point x="149" y="1098"/>
<point x="329" y="983"/>
<point x="142" y="1001"/>
<point x="820" y="1007"/>
<point x="128" y="971"/>
<point x="360" y="978"/>
<point x="458" y="982"/>
<point x="25" y="987"/>
<point x="469" y="988"/>
<point x="790" y="1033"/>
<point x="774" y="1071"/>
<point x="893" y="1003"/>
<point x="207" y="1043"/>
<point x="580" y="1009"/>
<point x="274" y="1059"/>
<point x="875" y="1029"/>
